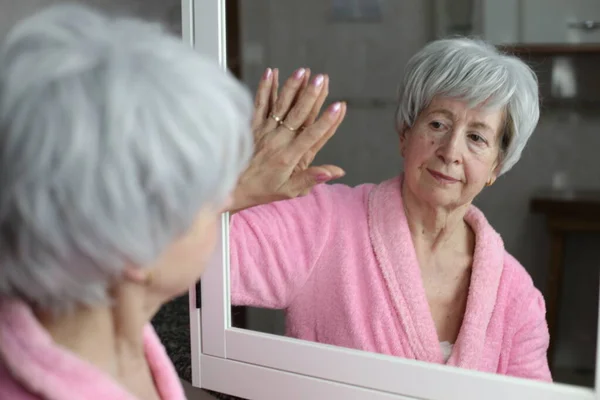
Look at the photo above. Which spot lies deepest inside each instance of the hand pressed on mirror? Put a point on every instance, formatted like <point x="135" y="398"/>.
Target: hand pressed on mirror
<point x="287" y="135"/>
<point x="409" y="267"/>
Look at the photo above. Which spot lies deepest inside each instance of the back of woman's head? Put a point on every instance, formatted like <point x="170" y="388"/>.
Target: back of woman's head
<point x="113" y="134"/>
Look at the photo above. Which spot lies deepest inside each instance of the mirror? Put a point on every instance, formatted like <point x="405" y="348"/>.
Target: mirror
<point x="546" y="209"/>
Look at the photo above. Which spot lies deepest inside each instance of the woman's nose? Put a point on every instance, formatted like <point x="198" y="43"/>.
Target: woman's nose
<point x="449" y="151"/>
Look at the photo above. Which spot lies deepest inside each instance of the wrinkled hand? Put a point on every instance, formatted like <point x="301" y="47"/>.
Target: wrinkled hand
<point x="288" y="133"/>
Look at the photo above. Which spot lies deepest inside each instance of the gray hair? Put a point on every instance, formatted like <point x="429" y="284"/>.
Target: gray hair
<point x="114" y="134"/>
<point x="477" y="72"/>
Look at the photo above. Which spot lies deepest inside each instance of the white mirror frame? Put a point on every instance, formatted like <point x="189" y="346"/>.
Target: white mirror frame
<point x="240" y="362"/>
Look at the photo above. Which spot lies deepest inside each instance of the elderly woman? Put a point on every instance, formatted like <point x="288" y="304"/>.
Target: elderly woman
<point x="408" y="267"/>
<point x="119" y="146"/>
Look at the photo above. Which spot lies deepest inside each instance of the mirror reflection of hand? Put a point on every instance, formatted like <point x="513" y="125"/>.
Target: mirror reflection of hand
<point x="288" y="133"/>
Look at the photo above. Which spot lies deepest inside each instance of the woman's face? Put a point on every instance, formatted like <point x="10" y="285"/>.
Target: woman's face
<point x="450" y="152"/>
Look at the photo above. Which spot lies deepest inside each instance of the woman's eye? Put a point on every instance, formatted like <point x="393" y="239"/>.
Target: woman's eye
<point x="476" y="138"/>
<point x="436" y="125"/>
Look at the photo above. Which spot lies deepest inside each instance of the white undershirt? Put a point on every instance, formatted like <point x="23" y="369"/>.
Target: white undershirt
<point x="446" y="350"/>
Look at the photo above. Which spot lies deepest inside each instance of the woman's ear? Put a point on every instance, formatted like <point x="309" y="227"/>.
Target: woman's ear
<point x="136" y="275"/>
<point x="402" y="133"/>
<point x="494" y="175"/>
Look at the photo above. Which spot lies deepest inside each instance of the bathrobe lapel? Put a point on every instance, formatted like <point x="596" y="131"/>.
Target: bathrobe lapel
<point x="396" y="256"/>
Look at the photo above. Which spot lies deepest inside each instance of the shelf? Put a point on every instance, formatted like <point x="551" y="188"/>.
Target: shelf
<point x="550" y="106"/>
<point x="546" y="49"/>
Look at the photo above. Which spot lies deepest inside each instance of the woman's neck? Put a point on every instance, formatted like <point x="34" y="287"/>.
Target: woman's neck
<point x="87" y="332"/>
<point x="108" y="337"/>
<point x="434" y="227"/>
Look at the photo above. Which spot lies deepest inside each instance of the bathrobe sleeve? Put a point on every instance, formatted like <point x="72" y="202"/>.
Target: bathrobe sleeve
<point x="528" y="356"/>
<point x="274" y="248"/>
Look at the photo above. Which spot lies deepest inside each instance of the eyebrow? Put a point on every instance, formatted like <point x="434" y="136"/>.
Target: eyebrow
<point x="451" y="115"/>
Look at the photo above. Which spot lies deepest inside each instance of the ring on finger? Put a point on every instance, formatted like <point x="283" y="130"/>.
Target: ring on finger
<point x="276" y="118"/>
<point x="286" y="126"/>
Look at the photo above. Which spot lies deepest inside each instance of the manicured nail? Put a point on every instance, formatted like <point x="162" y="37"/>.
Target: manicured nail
<point x="322" y="178"/>
<point x="299" y="74"/>
<point x="335" y="107"/>
<point x="318" y="81"/>
<point x="267" y="74"/>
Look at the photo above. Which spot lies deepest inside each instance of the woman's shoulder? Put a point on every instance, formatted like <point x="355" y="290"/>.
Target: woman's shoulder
<point x="352" y="197"/>
<point x="523" y="303"/>
<point x="11" y="389"/>
<point x="514" y="274"/>
<point x="519" y="275"/>
<point x="326" y="203"/>
<point x="338" y="191"/>
<point x="327" y="198"/>
<point x="519" y="287"/>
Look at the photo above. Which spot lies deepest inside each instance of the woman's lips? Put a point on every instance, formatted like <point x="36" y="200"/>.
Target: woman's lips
<point x="441" y="177"/>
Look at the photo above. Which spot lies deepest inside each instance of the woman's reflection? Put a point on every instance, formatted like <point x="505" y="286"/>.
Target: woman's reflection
<point x="408" y="267"/>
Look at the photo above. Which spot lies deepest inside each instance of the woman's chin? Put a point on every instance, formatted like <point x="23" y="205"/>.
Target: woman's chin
<point x="439" y="197"/>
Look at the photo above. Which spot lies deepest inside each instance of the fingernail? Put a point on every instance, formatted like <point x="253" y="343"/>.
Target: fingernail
<point x="267" y="74"/>
<point x="318" y="81"/>
<point x="321" y="178"/>
<point x="335" y="107"/>
<point x="299" y="73"/>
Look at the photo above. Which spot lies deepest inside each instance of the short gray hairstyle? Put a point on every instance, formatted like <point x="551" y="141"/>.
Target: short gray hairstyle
<point x="113" y="135"/>
<point x="474" y="71"/>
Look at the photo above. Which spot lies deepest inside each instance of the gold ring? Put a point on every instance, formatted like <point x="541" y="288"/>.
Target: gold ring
<point x="276" y="118"/>
<point x="286" y="126"/>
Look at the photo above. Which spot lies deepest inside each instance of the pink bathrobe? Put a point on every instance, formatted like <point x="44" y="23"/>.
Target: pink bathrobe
<point x="33" y="367"/>
<point x="342" y="263"/>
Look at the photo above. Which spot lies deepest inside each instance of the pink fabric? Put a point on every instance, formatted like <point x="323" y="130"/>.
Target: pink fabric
<point x="342" y="263"/>
<point x="33" y="367"/>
